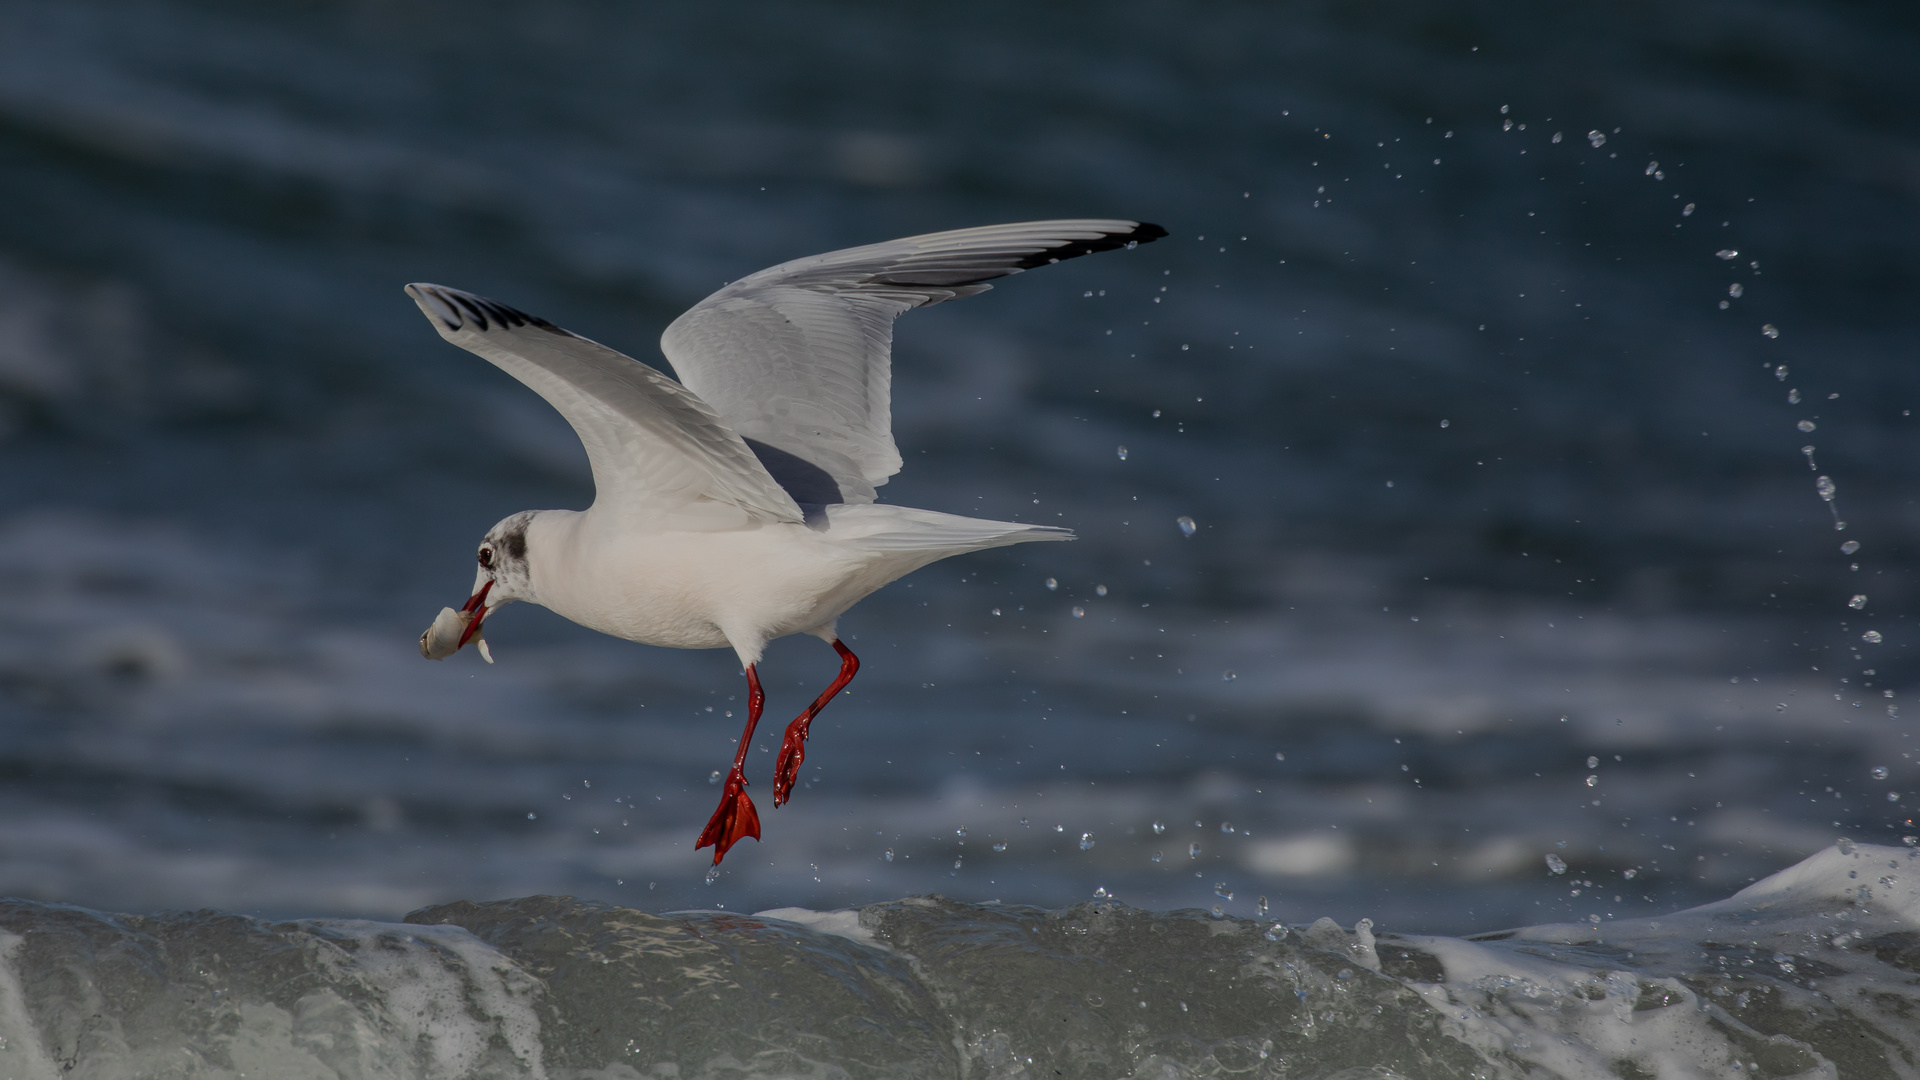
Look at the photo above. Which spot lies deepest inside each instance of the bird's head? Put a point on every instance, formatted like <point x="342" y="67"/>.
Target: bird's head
<point x="501" y="578"/>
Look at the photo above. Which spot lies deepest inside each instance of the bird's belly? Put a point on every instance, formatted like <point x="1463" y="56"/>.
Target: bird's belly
<point x="688" y="591"/>
<point x="649" y="626"/>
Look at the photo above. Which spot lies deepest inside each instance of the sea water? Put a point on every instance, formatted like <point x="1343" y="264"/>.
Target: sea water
<point x="1807" y="973"/>
<point x="1473" y="560"/>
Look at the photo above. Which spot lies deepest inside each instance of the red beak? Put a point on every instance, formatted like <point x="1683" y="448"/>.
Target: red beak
<point x="477" y="605"/>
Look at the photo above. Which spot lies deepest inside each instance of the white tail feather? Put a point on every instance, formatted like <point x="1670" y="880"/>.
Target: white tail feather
<point x="900" y="528"/>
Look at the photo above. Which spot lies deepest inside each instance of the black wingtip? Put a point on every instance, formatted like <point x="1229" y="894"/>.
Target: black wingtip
<point x="1143" y="232"/>
<point x="457" y="310"/>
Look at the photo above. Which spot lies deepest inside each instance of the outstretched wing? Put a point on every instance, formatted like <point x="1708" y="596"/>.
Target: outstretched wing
<point x="796" y="358"/>
<point x="661" y="457"/>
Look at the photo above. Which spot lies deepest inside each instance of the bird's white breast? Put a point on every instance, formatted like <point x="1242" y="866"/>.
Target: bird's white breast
<point x="695" y="590"/>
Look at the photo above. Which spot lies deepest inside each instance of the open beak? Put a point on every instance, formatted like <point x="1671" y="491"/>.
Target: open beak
<point x="475" y="611"/>
<point x="451" y="629"/>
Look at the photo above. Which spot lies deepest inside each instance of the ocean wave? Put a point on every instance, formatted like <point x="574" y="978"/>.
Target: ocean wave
<point x="1807" y="973"/>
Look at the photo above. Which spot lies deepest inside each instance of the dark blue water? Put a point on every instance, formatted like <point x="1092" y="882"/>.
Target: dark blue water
<point x="1506" y="543"/>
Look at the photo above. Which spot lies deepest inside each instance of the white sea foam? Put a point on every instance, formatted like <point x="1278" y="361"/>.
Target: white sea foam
<point x="1742" y="985"/>
<point x="844" y="924"/>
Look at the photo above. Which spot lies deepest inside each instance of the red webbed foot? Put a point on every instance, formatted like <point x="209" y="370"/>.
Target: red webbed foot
<point x="793" y="748"/>
<point x="734" y="819"/>
<point x="786" y="768"/>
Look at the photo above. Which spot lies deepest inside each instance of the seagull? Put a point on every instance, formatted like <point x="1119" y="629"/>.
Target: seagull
<point x="736" y="505"/>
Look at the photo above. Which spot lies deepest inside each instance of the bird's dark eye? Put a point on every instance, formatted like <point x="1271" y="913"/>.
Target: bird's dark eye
<point x="486" y="556"/>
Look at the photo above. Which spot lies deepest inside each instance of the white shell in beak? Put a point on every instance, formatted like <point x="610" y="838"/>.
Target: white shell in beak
<point x="442" y="639"/>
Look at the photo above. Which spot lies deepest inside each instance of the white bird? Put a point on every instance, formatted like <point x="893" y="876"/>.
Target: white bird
<point x="737" y="505"/>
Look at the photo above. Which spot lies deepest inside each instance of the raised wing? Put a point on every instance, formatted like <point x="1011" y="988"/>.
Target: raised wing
<point x="796" y="358"/>
<point x="661" y="457"/>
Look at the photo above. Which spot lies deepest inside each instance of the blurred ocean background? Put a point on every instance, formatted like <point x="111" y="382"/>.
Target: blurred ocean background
<point x="1516" y="365"/>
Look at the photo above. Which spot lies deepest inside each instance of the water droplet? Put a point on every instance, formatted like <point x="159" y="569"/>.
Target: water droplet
<point x="1120" y="452"/>
<point x="1736" y="289"/>
<point x="1159" y="827"/>
<point x="1780" y="372"/>
<point x="1845" y="845"/>
<point x="1446" y="423"/>
<point x="999" y="845"/>
<point x="1226" y="827"/>
<point x="530" y="815"/>
<point x="1805" y="425"/>
<point x="1059" y="828"/>
<point x="1275" y="932"/>
<point x="1556" y="864"/>
<point x="1872" y="637"/>
<point x="1228" y="675"/>
<point x="1893" y="796"/>
<point x="1506" y="125"/>
<point x="889" y="855"/>
<point x="1630" y="873"/>
<point x="996" y="611"/>
<point x="1156" y="414"/>
<point x="1556" y="138"/>
<point x="1687" y="210"/>
<point x="1850" y="547"/>
<point x="1769" y="330"/>
<point x="713" y="777"/>
<point x="1825" y="486"/>
<point x="1052" y="584"/>
<point x="1793" y="397"/>
<point x="960" y="832"/>
<point x="1099" y="893"/>
<point x="1726" y="253"/>
<point x="713" y="873"/>
<point x="1193" y="850"/>
<point x="1099" y="590"/>
<point x="956" y="864"/>
<point x="1157" y="856"/>
<point x="1652" y="167"/>
<point x="1592" y="762"/>
<point x="1858" y="602"/>
<point x="1079" y="612"/>
<point x="1596" y="139"/>
<point x="1220" y="890"/>
<point x="1186" y="524"/>
<point x="1260" y="908"/>
<point x="1278" y="756"/>
<point x="1086" y="841"/>
<point x="1593" y="780"/>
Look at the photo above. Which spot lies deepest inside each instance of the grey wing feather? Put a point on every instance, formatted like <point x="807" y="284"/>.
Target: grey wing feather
<point x="797" y="357"/>
<point x="661" y="457"/>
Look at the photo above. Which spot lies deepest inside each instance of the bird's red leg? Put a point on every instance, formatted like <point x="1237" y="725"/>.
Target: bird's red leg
<point x="736" y="818"/>
<point x="793" y="748"/>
